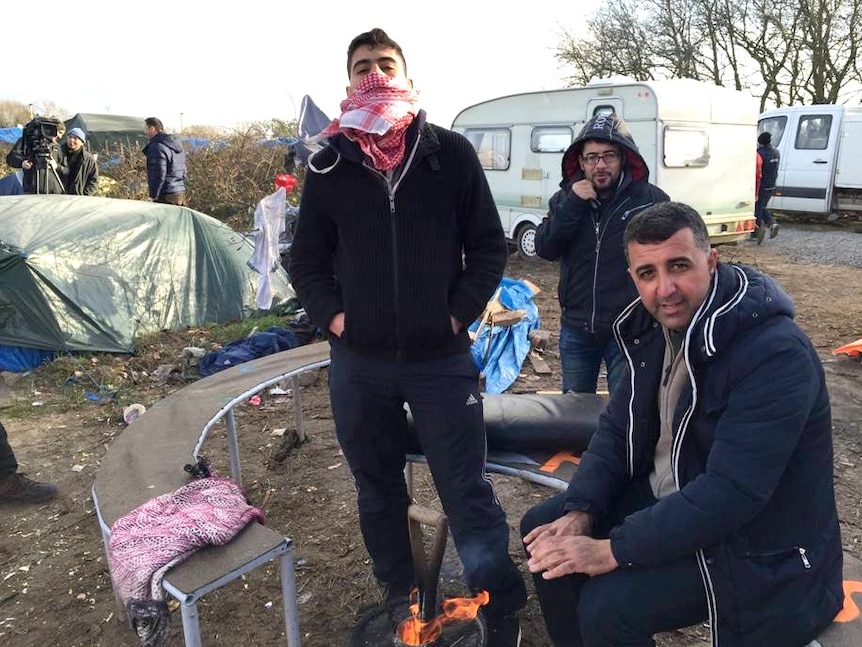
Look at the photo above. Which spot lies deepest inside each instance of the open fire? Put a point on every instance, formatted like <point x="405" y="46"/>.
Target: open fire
<point x="415" y="631"/>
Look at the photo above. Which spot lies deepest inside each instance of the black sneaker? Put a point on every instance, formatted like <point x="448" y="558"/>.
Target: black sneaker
<point x="760" y="234"/>
<point x="504" y="631"/>
<point x="773" y="230"/>
<point x="17" y="488"/>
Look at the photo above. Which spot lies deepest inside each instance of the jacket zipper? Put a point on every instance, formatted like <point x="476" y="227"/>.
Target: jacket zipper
<point x="391" y="189"/>
<point x="600" y="232"/>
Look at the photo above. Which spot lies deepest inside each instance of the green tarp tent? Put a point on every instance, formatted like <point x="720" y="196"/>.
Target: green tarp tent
<point x="108" y="132"/>
<point x="90" y="273"/>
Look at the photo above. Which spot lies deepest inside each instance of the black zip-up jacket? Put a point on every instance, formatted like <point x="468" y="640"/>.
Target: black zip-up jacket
<point x="398" y="256"/>
<point x="771" y="158"/>
<point x="587" y="237"/>
<point x="751" y="456"/>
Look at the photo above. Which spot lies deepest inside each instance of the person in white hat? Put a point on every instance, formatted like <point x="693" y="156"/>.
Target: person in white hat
<point x="78" y="167"/>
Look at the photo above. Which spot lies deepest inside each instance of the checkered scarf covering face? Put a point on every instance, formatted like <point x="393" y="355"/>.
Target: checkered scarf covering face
<point x="376" y="116"/>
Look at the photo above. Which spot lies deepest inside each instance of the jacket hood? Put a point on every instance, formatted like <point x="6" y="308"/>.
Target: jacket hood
<point x="611" y="128"/>
<point x="739" y="299"/>
<point x="165" y="139"/>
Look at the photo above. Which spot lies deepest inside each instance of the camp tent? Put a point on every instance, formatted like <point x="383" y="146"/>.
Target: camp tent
<point x="89" y="273"/>
<point x="108" y="132"/>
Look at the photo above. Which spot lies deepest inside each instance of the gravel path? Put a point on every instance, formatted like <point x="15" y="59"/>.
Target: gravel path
<point x="813" y="244"/>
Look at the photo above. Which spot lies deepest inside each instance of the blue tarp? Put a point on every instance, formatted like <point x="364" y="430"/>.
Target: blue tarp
<point x="10" y="135"/>
<point x="500" y="351"/>
<point x="17" y="359"/>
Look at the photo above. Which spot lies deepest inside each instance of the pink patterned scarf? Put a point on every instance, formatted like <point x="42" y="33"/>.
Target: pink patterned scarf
<point x="152" y="538"/>
<point x="376" y="116"/>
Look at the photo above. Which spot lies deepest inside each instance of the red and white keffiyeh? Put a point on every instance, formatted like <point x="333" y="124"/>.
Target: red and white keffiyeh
<point x="376" y="116"/>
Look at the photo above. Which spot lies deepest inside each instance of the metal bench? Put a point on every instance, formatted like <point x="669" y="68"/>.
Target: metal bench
<point x="147" y="460"/>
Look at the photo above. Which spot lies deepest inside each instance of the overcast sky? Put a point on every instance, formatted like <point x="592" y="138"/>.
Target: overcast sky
<point x="228" y="63"/>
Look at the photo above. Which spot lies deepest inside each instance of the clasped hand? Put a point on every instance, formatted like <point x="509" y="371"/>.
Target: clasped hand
<point x="563" y="548"/>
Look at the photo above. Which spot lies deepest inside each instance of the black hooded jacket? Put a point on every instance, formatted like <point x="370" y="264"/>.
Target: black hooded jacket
<point x="398" y="255"/>
<point x="587" y="236"/>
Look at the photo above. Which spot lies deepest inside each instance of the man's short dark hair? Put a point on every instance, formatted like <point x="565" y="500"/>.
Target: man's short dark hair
<point x="661" y="221"/>
<point x="154" y="123"/>
<point x="764" y="138"/>
<point x="373" y="39"/>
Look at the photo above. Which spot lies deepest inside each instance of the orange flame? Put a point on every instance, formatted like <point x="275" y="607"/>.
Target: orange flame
<point x="414" y="631"/>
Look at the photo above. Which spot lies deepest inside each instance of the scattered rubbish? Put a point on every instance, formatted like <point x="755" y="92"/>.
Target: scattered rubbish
<point x="332" y="467"/>
<point x="278" y="432"/>
<point x="254" y="400"/>
<point x="77" y="468"/>
<point x="133" y="412"/>
<point x="303" y="598"/>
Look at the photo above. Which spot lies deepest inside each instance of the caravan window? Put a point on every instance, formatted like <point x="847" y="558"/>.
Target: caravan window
<point x="492" y="145"/>
<point x="774" y="126"/>
<point x="603" y="110"/>
<point x="813" y="132"/>
<point x="685" y="147"/>
<point x="551" y="139"/>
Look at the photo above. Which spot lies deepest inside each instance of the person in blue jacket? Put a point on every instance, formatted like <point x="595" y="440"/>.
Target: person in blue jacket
<point x="707" y="491"/>
<point x="166" y="165"/>
<point x="605" y="182"/>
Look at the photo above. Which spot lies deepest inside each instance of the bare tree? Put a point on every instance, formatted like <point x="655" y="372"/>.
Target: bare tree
<point x="615" y="46"/>
<point x="13" y="113"/>
<point x="787" y="51"/>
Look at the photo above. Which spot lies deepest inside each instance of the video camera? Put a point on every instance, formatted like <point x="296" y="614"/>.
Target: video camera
<point x="38" y="139"/>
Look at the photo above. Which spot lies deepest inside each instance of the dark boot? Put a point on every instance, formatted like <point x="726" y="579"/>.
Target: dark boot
<point x="17" y="488"/>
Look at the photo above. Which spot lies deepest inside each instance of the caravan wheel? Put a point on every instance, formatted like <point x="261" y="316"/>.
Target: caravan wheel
<point x="525" y="240"/>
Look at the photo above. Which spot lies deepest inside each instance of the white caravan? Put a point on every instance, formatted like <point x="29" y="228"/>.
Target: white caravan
<point x="698" y="139"/>
<point x="821" y="167"/>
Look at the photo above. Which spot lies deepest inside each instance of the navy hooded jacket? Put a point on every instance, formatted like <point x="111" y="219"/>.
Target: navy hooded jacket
<point x="166" y="165"/>
<point x="587" y="237"/>
<point x="751" y="457"/>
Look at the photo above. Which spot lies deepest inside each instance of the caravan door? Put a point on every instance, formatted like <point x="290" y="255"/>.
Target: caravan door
<point x="808" y="145"/>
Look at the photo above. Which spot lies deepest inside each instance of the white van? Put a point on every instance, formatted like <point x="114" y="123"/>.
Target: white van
<point x="820" y="169"/>
<point x="698" y="139"/>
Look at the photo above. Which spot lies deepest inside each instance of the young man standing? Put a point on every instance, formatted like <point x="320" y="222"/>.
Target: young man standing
<point x="166" y="165"/>
<point x="769" y="160"/>
<point x="707" y="492"/>
<point x="397" y="250"/>
<point x="605" y="182"/>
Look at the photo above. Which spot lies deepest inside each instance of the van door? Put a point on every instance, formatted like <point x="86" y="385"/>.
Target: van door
<point x="807" y="165"/>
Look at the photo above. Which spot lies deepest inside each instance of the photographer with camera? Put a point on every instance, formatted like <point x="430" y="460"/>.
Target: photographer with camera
<point x="78" y="168"/>
<point x="38" y="154"/>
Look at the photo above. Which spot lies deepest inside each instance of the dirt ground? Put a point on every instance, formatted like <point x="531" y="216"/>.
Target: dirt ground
<point x="54" y="586"/>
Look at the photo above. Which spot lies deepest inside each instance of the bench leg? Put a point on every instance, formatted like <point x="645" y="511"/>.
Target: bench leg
<point x="288" y="597"/>
<point x="121" y="609"/>
<point x="297" y="409"/>
<point x="191" y="624"/>
<point x="233" y="448"/>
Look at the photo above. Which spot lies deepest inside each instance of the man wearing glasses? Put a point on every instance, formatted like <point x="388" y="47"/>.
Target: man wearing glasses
<point x="605" y="182"/>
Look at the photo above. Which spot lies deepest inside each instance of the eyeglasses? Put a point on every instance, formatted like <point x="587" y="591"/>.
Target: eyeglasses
<point x="609" y="157"/>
